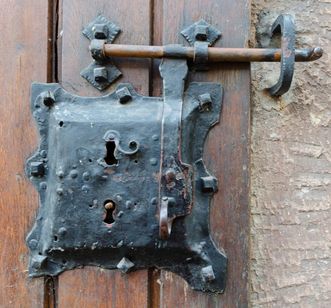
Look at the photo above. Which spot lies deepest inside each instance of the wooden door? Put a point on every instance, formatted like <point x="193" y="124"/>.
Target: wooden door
<point x="42" y="41"/>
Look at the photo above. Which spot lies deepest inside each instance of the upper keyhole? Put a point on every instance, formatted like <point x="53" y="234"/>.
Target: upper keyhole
<point x="110" y="158"/>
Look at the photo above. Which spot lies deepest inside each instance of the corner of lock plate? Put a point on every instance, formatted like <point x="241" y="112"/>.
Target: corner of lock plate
<point x="201" y="111"/>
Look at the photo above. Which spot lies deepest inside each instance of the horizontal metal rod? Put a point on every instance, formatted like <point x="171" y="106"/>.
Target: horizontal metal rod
<point x="215" y="54"/>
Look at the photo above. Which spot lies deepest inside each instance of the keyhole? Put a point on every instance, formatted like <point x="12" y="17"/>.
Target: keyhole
<point x="110" y="158"/>
<point x="109" y="206"/>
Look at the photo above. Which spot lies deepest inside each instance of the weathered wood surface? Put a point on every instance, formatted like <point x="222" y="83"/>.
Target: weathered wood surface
<point x="291" y="166"/>
<point x="227" y="148"/>
<point x="93" y="287"/>
<point x="23" y="59"/>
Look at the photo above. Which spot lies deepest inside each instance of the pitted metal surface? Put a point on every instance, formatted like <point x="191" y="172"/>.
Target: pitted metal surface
<point x="122" y="183"/>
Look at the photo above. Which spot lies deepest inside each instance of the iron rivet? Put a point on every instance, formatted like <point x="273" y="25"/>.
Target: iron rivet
<point x="153" y="161"/>
<point x="119" y="198"/>
<point x="48" y="99"/>
<point x="128" y="204"/>
<point x="43" y="185"/>
<point x="62" y="231"/>
<point x="109" y="205"/>
<point x="110" y="137"/>
<point x="170" y="175"/>
<point x="59" y="191"/>
<point x="60" y="174"/>
<point x="205" y="102"/>
<point x="154" y="201"/>
<point x="33" y="244"/>
<point x="86" y="176"/>
<point x="38" y="262"/>
<point x="133" y="144"/>
<point x="125" y="265"/>
<point x="43" y="153"/>
<point x="73" y="174"/>
<point x="37" y="168"/>
<point x="207" y="273"/>
<point x="85" y="188"/>
<point x="100" y="31"/>
<point x="201" y="32"/>
<point x="209" y="184"/>
<point x="123" y="95"/>
<point x="100" y="74"/>
<point x="120" y="214"/>
<point x="155" y="137"/>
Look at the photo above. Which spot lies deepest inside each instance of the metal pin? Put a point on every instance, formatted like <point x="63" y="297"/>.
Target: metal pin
<point x="109" y="205"/>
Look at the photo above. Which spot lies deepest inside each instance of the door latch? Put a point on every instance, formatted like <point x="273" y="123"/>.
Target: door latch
<point x="121" y="178"/>
<point x="201" y="36"/>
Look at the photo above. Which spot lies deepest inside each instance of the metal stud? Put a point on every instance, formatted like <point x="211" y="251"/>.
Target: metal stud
<point x="101" y="28"/>
<point x="100" y="31"/>
<point x="207" y="273"/>
<point x="37" y="169"/>
<point x="201" y="32"/>
<point x="124" y="95"/>
<point x="205" y="102"/>
<point x="100" y="74"/>
<point x="125" y="265"/>
<point x="48" y="99"/>
<point x="38" y="262"/>
<point x="209" y="184"/>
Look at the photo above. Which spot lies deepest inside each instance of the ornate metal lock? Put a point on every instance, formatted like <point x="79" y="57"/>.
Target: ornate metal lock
<point x="121" y="178"/>
<point x="118" y="174"/>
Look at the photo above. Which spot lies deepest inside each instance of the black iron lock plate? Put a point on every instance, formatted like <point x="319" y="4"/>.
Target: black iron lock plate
<point x="122" y="182"/>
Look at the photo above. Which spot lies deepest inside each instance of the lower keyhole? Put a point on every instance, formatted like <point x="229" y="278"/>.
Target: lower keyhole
<point x="109" y="206"/>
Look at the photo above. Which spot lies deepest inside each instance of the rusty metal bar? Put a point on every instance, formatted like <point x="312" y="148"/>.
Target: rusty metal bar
<point x="215" y="54"/>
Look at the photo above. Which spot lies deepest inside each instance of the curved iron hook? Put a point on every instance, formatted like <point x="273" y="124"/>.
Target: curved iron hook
<point x="284" y="24"/>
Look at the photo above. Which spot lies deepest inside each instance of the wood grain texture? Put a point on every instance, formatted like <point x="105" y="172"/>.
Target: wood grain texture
<point x="93" y="287"/>
<point x="134" y="20"/>
<point x="227" y="149"/>
<point x="23" y="59"/>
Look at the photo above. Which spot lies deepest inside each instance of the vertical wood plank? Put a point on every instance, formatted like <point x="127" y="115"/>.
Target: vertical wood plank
<point x="94" y="287"/>
<point x="133" y="18"/>
<point x="227" y="148"/>
<point x="23" y="59"/>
